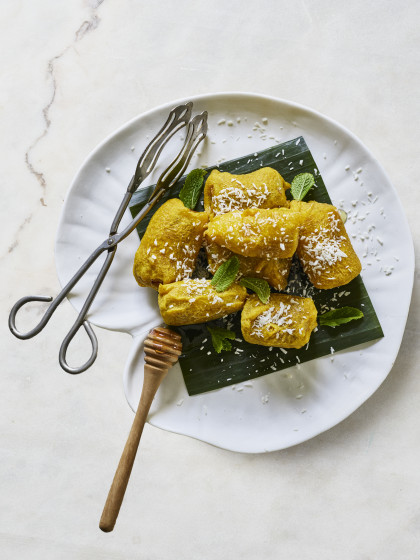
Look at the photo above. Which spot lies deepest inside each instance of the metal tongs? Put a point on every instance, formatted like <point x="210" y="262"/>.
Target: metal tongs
<point x="178" y="118"/>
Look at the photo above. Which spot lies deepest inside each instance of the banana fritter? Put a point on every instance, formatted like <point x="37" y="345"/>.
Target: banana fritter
<point x="275" y="271"/>
<point x="170" y="245"/>
<point x="194" y="301"/>
<point x="255" y="232"/>
<point x="224" y="192"/>
<point x="285" y="321"/>
<point x="325" y="250"/>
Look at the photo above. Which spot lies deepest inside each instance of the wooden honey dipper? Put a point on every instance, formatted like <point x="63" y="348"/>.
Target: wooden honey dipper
<point x="162" y="348"/>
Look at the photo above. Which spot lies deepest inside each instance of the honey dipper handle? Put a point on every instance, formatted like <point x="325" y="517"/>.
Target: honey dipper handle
<point x="152" y="379"/>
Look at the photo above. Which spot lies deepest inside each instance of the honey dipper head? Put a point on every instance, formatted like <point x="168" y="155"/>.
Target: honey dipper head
<point x="162" y="348"/>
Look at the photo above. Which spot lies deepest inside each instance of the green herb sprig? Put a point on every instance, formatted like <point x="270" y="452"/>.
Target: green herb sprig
<point x="226" y="274"/>
<point x="340" y="316"/>
<point x="258" y="285"/>
<point x="191" y="190"/>
<point x="301" y="185"/>
<point x="220" y="338"/>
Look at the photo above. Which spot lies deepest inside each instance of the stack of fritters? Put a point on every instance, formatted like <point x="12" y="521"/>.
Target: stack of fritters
<point x="250" y="217"/>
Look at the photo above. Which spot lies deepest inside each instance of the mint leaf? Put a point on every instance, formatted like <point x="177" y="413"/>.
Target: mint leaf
<point x="339" y="316"/>
<point x="219" y="336"/>
<point x="191" y="190"/>
<point x="258" y="285"/>
<point x="225" y="275"/>
<point x="301" y="185"/>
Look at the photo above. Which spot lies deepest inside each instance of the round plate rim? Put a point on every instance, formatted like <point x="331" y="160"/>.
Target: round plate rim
<point x="254" y="97"/>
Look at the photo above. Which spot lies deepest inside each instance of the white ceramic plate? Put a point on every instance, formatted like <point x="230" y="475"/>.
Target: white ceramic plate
<point x="280" y="409"/>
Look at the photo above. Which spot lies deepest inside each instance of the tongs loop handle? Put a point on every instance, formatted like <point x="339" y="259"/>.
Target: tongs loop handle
<point x="65" y="344"/>
<point x="20" y="303"/>
<point x="69" y="337"/>
<point x="81" y="321"/>
<point x="55" y="302"/>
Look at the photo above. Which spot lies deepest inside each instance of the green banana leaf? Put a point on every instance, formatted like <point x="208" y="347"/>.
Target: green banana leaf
<point x="205" y="370"/>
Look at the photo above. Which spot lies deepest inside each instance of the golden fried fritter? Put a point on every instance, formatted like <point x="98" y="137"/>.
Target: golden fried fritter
<point x="255" y="232"/>
<point x="194" y="301"/>
<point x="285" y="321"/>
<point x="170" y="245"/>
<point x="324" y="249"/>
<point x="224" y="192"/>
<point x="275" y="271"/>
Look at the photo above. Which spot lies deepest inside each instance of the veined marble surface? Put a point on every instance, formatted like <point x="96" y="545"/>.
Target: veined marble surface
<point x="72" y="72"/>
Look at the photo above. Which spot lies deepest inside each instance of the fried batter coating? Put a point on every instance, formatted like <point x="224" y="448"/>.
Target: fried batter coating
<point x="285" y="321"/>
<point x="224" y="192"/>
<point x="255" y="232"/>
<point x="275" y="271"/>
<point x="170" y="245"/>
<point x="325" y="250"/>
<point x="194" y="301"/>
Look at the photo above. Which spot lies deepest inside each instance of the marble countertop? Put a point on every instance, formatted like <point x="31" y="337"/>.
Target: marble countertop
<point x="71" y="74"/>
